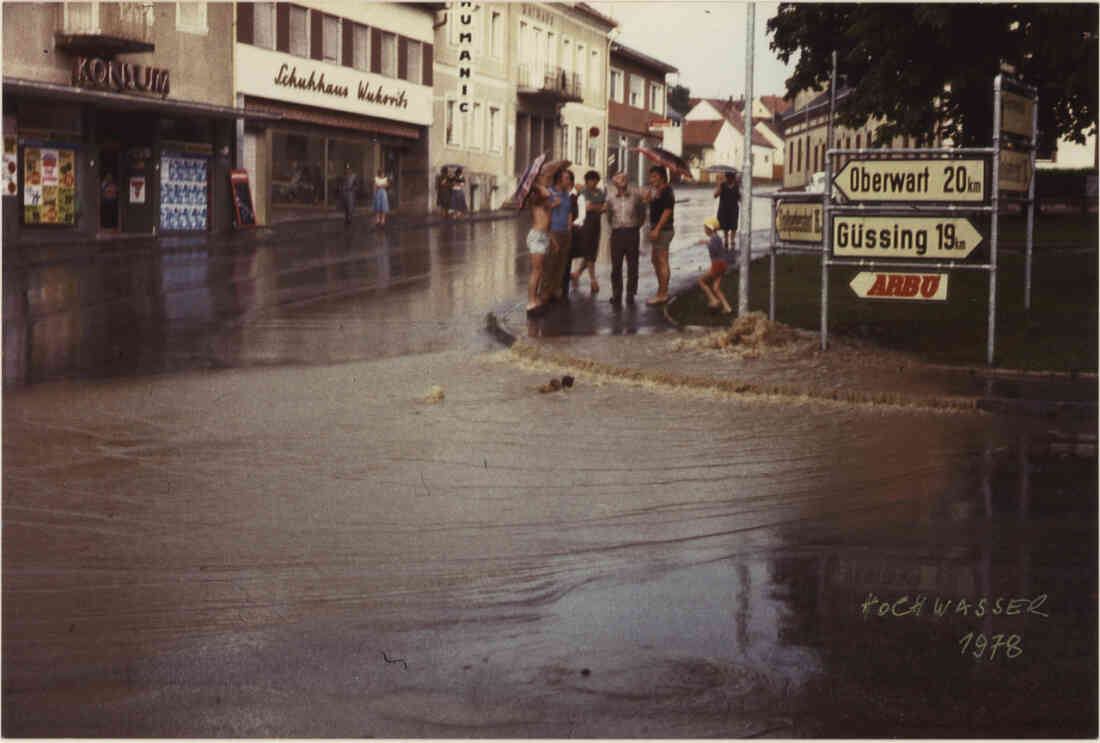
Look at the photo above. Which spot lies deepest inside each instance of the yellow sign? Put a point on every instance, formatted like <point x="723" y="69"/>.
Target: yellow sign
<point x="912" y="180"/>
<point x="923" y="287"/>
<point x="931" y="238"/>
<point x="1016" y="114"/>
<point x="1015" y="171"/>
<point x="799" y="222"/>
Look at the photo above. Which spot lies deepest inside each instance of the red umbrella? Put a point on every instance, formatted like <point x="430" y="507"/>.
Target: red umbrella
<point x="526" y="181"/>
<point x="674" y="163"/>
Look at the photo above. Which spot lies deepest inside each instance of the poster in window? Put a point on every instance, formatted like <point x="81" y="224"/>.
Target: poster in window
<point x="183" y="192"/>
<point x="137" y="189"/>
<point x="66" y="187"/>
<point x="10" y="182"/>
<point x="49" y="167"/>
<point x="32" y="185"/>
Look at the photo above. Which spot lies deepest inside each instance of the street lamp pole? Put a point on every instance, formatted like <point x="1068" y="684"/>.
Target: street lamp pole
<point x="746" y="204"/>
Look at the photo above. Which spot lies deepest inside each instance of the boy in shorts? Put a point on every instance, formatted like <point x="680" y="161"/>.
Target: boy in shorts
<point x="717" y="249"/>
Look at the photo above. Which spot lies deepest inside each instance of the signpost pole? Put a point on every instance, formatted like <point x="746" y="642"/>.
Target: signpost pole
<point x="996" y="186"/>
<point x="771" y="275"/>
<point x="827" y="216"/>
<point x="1031" y="202"/>
<point x="746" y="243"/>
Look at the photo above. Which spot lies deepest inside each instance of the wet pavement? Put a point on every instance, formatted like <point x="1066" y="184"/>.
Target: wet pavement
<point x="229" y="512"/>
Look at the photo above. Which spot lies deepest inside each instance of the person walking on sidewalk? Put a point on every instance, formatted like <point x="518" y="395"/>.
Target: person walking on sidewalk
<point x="662" y="203"/>
<point x="595" y="204"/>
<point x="443" y="192"/>
<point x="348" y="187"/>
<point x="624" y="212"/>
<point x="381" y="198"/>
<point x="711" y="281"/>
<point x="728" y="194"/>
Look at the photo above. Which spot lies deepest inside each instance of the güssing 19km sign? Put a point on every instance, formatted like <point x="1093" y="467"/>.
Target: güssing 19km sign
<point x="913" y="180"/>
<point x="932" y="238"/>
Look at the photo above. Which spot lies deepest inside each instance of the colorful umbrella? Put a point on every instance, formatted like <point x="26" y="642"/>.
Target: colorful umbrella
<point x="674" y="163"/>
<point x="722" y="169"/>
<point x="526" y="181"/>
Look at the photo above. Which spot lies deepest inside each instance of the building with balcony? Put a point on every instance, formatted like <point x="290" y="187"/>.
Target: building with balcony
<point x="343" y="84"/>
<point x="637" y="109"/>
<point x="118" y="118"/>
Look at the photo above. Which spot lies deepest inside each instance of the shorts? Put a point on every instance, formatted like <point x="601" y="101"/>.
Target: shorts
<point x="538" y="241"/>
<point x="717" y="269"/>
<point x="664" y="239"/>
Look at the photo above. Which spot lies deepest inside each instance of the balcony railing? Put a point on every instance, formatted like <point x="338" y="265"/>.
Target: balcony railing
<point x="107" y="27"/>
<point x="554" y="81"/>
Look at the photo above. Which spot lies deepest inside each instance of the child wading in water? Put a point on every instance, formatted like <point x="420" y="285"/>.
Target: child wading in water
<point x="717" y="249"/>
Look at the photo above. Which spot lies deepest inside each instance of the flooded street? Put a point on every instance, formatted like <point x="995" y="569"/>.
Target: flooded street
<point x="229" y="512"/>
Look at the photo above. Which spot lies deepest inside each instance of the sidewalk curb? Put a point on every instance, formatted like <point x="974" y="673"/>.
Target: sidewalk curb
<point x="534" y="351"/>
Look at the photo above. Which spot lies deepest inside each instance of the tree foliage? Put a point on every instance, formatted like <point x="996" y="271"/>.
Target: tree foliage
<point x="679" y="97"/>
<point x="928" y="68"/>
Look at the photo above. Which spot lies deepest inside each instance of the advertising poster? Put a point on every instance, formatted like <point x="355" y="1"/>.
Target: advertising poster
<point x="49" y="185"/>
<point x="183" y="193"/>
<point x="32" y="185"/>
<point x="137" y="189"/>
<point x="10" y="182"/>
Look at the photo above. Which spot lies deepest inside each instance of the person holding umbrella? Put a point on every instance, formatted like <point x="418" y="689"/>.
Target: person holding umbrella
<point x="662" y="203"/>
<point x="728" y="194"/>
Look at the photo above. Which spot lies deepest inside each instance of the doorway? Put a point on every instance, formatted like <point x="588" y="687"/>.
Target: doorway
<point x="108" y="189"/>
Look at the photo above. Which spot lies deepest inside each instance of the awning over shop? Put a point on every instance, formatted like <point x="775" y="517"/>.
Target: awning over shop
<point x="324" y="117"/>
<point x="120" y="101"/>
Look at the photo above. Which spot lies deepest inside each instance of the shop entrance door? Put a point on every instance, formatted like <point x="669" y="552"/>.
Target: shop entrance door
<point x="109" y="188"/>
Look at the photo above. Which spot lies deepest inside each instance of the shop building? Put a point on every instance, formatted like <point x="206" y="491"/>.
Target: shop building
<point x="536" y="76"/>
<point x="348" y="84"/>
<point x="118" y="119"/>
<point x="637" y="106"/>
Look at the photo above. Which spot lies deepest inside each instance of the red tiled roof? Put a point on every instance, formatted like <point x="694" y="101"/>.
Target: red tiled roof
<point x="701" y="133"/>
<point x="776" y="104"/>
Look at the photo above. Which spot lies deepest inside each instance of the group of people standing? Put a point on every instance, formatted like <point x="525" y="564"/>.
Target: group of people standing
<point x="450" y="193"/>
<point x="565" y="224"/>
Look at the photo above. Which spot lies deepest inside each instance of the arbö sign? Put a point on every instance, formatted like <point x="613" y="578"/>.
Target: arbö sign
<point x="927" y="287"/>
<point x="120" y="76"/>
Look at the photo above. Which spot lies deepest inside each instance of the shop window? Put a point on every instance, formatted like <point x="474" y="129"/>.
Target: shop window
<point x="191" y="16"/>
<point x="361" y="52"/>
<point x="299" y="32"/>
<point x="264" y="25"/>
<point x="389" y="54"/>
<point x="330" y="39"/>
<point x="342" y="153"/>
<point x="414" y="54"/>
<point x="297" y="177"/>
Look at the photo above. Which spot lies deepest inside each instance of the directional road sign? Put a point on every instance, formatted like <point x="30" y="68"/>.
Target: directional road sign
<point x="913" y="180"/>
<point x="799" y="221"/>
<point x="923" y="238"/>
<point x="923" y="287"/>
<point x="1016" y="114"/>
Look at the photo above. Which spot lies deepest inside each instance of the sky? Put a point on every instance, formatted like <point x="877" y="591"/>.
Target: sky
<point x="705" y="40"/>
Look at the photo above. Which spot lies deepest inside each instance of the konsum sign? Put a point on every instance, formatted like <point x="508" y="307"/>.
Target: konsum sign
<point x="92" y="72"/>
<point x="280" y="77"/>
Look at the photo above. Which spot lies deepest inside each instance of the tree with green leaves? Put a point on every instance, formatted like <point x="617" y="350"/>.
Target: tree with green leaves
<point x="927" y="69"/>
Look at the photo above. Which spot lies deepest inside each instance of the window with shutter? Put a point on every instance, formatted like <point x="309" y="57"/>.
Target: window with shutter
<point x="389" y="54"/>
<point x="263" y="25"/>
<point x="331" y="41"/>
<point x="299" y="32"/>
<point x="415" y="55"/>
<point x="361" y="56"/>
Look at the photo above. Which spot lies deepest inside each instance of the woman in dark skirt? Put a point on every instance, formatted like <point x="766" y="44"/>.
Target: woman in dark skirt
<point x="595" y="203"/>
<point x="458" y="194"/>
<point x="443" y="192"/>
<point x="729" y="208"/>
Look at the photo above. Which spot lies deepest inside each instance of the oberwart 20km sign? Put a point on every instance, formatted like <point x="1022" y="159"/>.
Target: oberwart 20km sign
<point x="913" y="180"/>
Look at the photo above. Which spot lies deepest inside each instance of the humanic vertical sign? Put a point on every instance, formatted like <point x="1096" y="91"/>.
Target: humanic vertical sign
<point x="465" y="56"/>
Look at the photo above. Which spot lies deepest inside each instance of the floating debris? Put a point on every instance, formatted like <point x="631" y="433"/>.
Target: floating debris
<point x="435" y="394"/>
